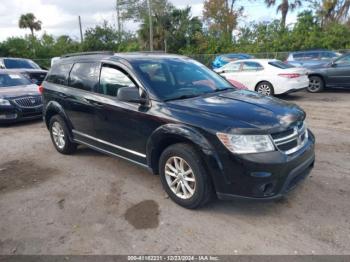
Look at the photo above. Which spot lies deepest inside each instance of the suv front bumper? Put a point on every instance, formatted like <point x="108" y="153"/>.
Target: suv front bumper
<point x="11" y="114"/>
<point x="263" y="176"/>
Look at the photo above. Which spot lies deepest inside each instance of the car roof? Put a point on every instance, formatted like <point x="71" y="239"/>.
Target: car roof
<point x="129" y="57"/>
<point x="255" y="60"/>
<point x="312" y="51"/>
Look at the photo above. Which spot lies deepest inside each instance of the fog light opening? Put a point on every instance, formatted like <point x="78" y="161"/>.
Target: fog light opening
<point x="267" y="188"/>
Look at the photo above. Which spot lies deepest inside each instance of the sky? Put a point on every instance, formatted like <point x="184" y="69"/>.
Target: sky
<point x="60" y="17"/>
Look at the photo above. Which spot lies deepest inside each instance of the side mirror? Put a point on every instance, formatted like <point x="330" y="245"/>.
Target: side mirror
<point x="130" y="94"/>
<point x="333" y="64"/>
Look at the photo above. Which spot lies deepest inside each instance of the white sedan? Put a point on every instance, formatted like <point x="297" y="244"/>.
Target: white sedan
<point x="266" y="76"/>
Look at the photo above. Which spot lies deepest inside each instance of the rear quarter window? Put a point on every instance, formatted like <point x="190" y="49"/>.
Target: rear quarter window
<point x="59" y="74"/>
<point x="280" y="64"/>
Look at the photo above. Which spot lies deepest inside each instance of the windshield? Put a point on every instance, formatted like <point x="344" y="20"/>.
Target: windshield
<point x="177" y="78"/>
<point x="20" y="63"/>
<point x="13" y="79"/>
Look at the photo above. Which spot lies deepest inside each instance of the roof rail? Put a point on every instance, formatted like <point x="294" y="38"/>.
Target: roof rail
<point x="89" y="53"/>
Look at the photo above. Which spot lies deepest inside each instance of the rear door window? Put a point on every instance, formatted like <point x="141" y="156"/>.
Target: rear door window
<point x="59" y="74"/>
<point x="84" y="76"/>
<point x="328" y="55"/>
<point x="251" y="66"/>
<point x="233" y="67"/>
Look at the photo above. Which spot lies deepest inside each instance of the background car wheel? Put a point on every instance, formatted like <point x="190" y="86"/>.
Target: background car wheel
<point x="316" y="84"/>
<point x="59" y="135"/>
<point x="265" y="88"/>
<point x="183" y="176"/>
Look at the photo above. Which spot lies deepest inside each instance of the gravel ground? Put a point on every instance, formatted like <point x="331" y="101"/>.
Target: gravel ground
<point x="90" y="203"/>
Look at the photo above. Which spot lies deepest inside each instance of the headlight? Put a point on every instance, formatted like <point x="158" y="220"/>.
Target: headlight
<point x="246" y="144"/>
<point x="4" y="102"/>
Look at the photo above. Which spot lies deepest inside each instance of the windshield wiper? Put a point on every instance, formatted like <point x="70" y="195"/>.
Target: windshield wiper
<point x="181" y="97"/>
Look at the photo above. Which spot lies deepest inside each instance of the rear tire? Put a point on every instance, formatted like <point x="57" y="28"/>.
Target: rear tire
<point x="60" y="136"/>
<point x="184" y="177"/>
<point x="265" y="88"/>
<point x="316" y="84"/>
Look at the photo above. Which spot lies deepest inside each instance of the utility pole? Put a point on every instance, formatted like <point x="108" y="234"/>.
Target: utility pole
<point x="118" y="16"/>
<point x="81" y="30"/>
<point x="150" y="25"/>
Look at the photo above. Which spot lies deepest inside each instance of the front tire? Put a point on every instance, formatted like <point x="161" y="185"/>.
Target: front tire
<point x="184" y="177"/>
<point x="265" y="88"/>
<point x="60" y="136"/>
<point x="316" y="84"/>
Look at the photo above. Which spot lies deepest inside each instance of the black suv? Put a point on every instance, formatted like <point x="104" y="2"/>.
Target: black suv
<point x="181" y="120"/>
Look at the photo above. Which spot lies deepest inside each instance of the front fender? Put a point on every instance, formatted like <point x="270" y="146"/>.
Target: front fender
<point x="169" y="134"/>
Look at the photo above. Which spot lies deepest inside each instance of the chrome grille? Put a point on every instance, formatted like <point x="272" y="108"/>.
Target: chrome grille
<point x="292" y="140"/>
<point x="28" y="102"/>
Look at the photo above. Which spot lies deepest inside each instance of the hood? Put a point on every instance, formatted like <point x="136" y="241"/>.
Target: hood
<point x="17" y="91"/>
<point x="242" y="111"/>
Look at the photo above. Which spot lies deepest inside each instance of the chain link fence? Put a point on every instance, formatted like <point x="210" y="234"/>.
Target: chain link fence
<point x="207" y="59"/>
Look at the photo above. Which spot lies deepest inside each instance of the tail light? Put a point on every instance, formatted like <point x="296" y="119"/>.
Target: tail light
<point x="41" y="89"/>
<point x="290" y="75"/>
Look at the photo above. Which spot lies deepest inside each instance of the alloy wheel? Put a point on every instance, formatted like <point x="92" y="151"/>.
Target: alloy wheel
<point x="180" y="177"/>
<point x="314" y="85"/>
<point x="58" y="135"/>
<point x="264" y="89"/>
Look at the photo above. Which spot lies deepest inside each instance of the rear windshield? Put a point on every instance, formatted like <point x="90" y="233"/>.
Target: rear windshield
<point x="20" y="63"/>
<point x="14" y="79"/>
<point x="280" y="64"/>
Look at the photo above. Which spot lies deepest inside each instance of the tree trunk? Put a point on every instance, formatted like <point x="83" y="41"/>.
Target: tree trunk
<point x="32" y="33"/>
<point x="284" y="11"/>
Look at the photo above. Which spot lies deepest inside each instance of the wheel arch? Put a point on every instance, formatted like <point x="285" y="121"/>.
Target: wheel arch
<point x="318" y="75"/>
<point x="54" y="108"/>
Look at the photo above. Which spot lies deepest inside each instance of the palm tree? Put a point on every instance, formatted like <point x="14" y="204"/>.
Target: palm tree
<point x="29" y="21"/>
<point x="284" y="7"/>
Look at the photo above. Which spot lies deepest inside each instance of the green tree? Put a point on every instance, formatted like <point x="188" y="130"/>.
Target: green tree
<point x="137" y="10"/>
<point x="221" y="16"/>
<point x="331" y="11"/>
<point x="29" y="21"/>
<point x="106" y="37"/>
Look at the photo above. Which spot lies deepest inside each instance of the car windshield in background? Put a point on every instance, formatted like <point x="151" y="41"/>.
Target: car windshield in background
<point x="281" y="65"/>
<point x="172" y="79"/>
<point x="7" y="80"/>
<point x="20" y="63"/>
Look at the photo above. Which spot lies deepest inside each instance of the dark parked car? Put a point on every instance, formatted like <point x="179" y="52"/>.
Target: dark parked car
<point x="333" y="74"/>
<point x="181" y="120"/>
<point x="222" y="60"/>
<point x="28" y="68"/>
<point x="311" y="58"/>
<point x="20" y="99"/>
